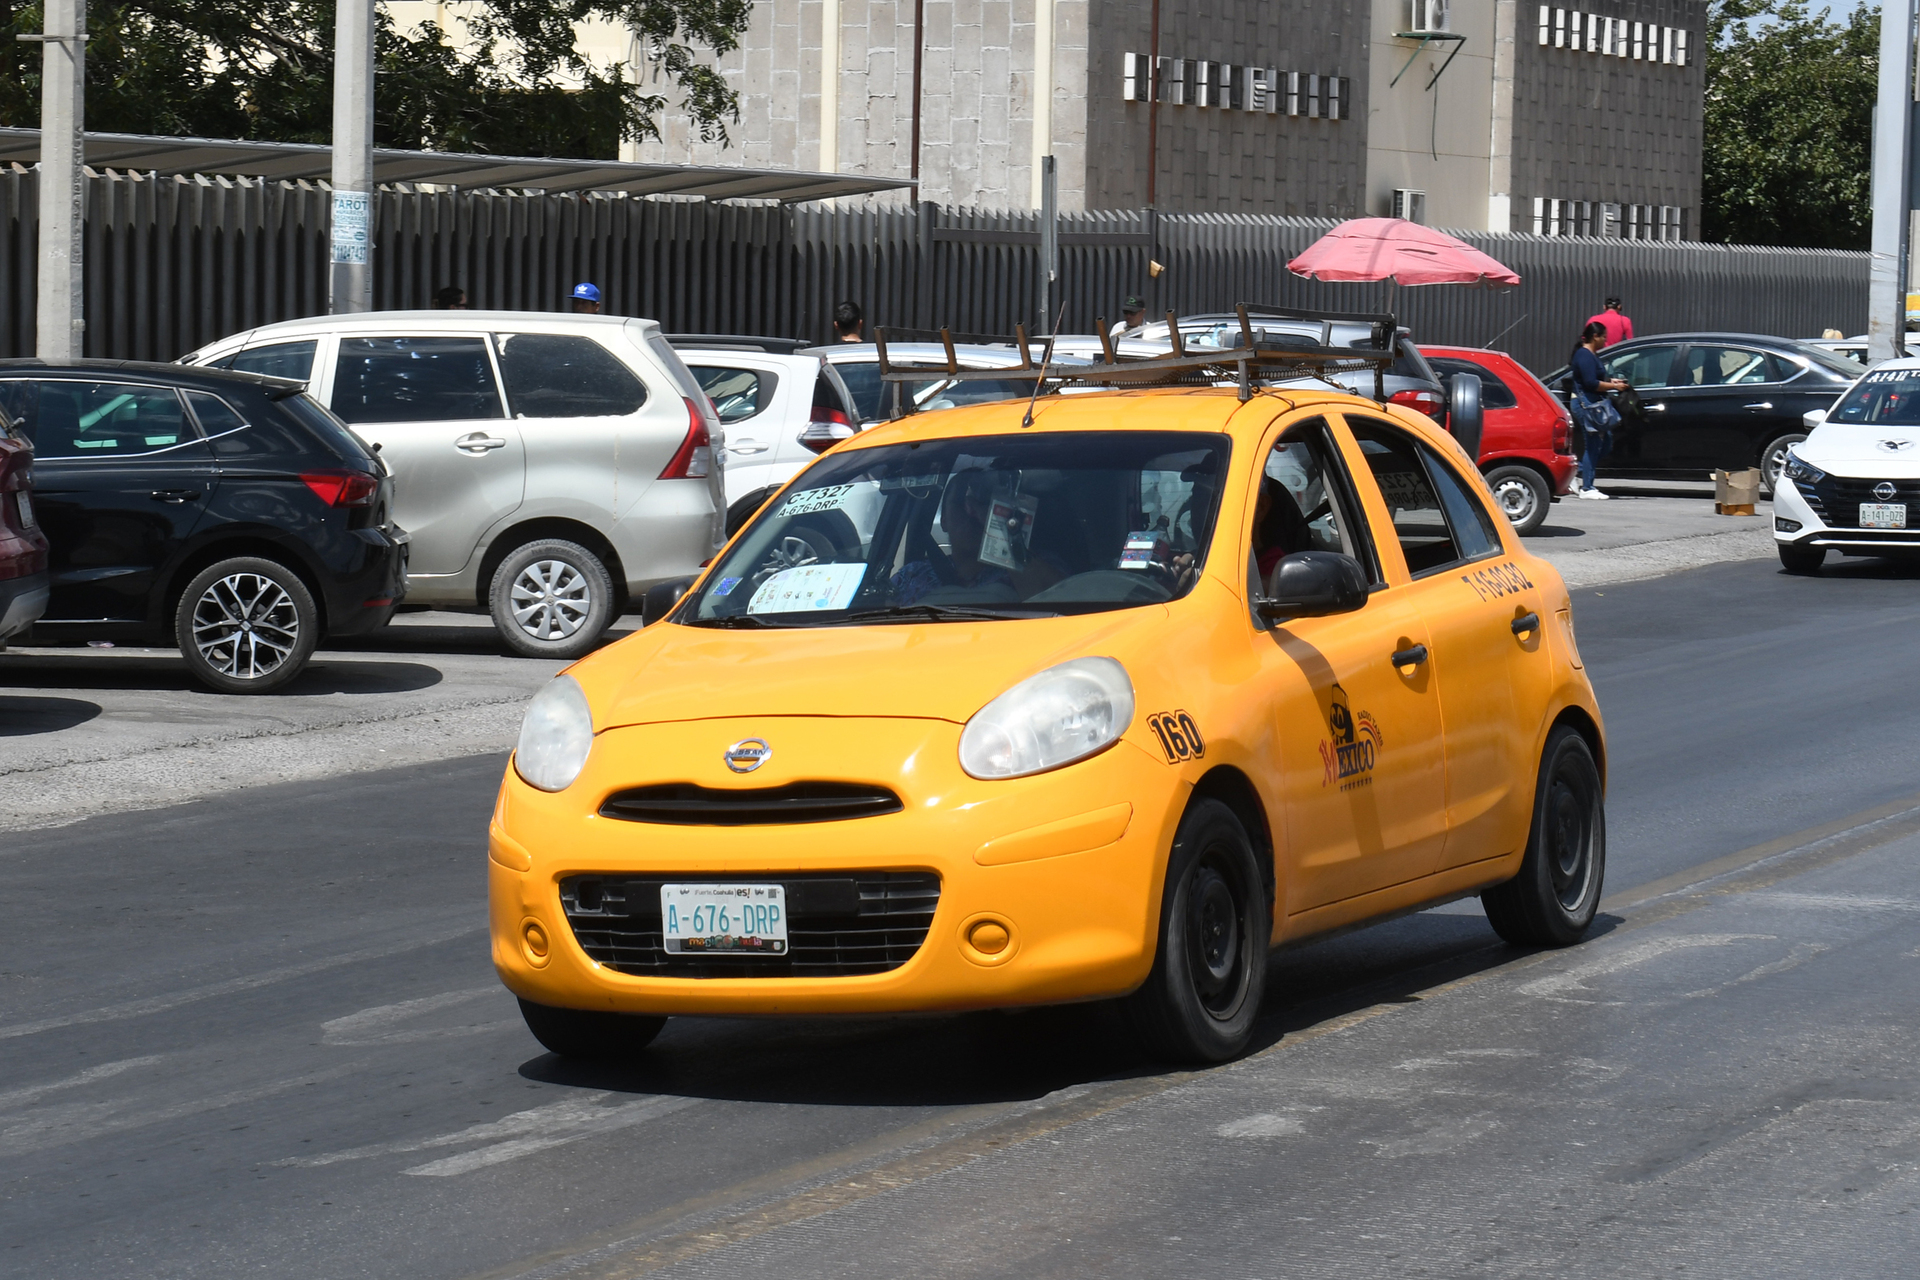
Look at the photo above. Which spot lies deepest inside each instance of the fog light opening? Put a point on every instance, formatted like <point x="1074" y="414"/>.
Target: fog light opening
<point x="989" y="937"/>
<point x="534" y="935"/>
<point x="988" y="940"/>
<point x="1783" y="525"/>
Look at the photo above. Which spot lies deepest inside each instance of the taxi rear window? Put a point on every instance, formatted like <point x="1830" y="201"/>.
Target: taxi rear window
<point x="1033" y="525"/>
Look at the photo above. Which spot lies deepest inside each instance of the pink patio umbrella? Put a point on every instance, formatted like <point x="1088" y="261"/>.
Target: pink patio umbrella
<point x="1400" y="252"/>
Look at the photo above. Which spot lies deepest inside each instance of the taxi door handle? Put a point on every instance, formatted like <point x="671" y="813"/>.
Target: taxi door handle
<point x="1410" y="657"/>
<point x="1525" y="623"/>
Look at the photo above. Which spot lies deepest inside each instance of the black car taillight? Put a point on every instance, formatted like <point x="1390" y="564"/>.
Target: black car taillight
<point x="342" y="488"/>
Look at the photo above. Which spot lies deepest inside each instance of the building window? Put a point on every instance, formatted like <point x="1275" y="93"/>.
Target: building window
<point x="1602" y="218"/>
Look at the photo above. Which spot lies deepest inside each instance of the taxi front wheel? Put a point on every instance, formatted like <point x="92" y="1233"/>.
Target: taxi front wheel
<point x="588" y="1034"/>
<point x="1551" y="902"/>
<point x="1200" y="1001"/>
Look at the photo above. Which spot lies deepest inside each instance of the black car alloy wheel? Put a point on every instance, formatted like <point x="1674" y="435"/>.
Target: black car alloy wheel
<point x="246" y="625"/>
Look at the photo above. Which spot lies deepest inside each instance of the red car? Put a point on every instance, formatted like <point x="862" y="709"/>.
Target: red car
<point x="23" y="547"/>
<point x="1523" y="447"/>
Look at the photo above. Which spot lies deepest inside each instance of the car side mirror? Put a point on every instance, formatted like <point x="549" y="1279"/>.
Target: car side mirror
<point x="1813" y="418"/>
<point x="660" y="599"/>
<point x="1464" y="418"/>
<point x="1313" y="584"/>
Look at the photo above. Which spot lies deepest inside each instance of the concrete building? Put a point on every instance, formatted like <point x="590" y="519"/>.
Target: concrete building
<point x="1493" y="114"/>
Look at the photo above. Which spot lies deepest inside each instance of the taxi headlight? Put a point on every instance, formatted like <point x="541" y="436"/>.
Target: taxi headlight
<point x="556" y="736"/>
<point x="1800" y="471"/>
<point x="1065" y="713"/>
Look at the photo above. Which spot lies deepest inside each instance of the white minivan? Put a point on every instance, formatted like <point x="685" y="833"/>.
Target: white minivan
<point x="548" y="467"/>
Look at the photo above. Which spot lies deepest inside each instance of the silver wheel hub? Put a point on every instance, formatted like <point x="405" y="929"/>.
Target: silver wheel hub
<point x="1515" y="498"/>
<point x="245" y="626"/>
<point x="550" y="599"/>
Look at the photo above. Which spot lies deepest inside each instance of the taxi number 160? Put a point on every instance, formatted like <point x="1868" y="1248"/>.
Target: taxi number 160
<point x="1179" y="736"/>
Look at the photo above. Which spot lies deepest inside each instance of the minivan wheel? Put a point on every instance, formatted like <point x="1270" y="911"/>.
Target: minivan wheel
<point x="589" y="1034"/>
<point x="1210" y="969"/>
<point x="1522" y="494"/>
<point x="1551" y="903"/>
<point x="551" y="599"/>
<point x="246" y="625"/>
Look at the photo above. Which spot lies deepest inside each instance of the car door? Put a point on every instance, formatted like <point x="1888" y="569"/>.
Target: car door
<point x="1490" y="677"/>
<point x="432" y="405"/>
<point x="751" y="404"/>
<point x="121" y="481"/>
<point x="1723" y="399"/>
<point x="1642" y="441"/>
<point x="577" y="407"/>
<point x="1359" y="740"/>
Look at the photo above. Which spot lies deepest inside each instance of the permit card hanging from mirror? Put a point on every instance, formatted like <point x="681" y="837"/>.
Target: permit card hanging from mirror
<point x="1144" y="548"/>
<point x="1009" y="529"/>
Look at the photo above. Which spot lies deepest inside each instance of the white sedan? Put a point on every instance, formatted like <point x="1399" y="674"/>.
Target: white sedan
<point x="1853" y="485"/>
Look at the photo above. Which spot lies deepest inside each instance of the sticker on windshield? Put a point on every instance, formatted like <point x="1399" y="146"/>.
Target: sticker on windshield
<point x="725" y="586"/>
<point x="1009" y="528"/>
<point x="917" y="486"/>
<point x="831" y="498"/>
<point x="810" y="588"/>
<point x="1143" y="549"/>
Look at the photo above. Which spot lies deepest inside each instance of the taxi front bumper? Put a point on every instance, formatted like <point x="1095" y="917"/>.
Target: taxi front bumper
<point x="1069" y="864"/>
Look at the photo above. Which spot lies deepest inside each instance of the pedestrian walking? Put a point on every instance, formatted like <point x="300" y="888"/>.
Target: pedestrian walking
<point x="1618" y="326"/>
<point x="585" y="299"/>
<point x="1592" y="412"/>
<point x="451" y="298"/>
<point x="847" y="321"/>
<point x="1133" y="314"/>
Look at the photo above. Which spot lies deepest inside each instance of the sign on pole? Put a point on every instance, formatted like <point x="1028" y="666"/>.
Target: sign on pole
<point x="352" y="265"/>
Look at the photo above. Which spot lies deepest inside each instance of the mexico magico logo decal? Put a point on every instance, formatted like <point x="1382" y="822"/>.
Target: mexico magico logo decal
<point x="1348" y="758"/>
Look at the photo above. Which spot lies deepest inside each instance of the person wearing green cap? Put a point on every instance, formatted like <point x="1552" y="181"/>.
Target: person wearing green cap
<point x="1133" y="314"/>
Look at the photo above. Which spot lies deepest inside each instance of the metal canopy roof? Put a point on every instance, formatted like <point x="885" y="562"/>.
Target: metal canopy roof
<point x="293" y="161"/>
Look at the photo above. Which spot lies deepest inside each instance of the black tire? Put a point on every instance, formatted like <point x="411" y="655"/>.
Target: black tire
<point x="1522" y="494"/>
<point x="246" y="625"/>
<point x="815" y="539"/>
<point x="1210" y="970"/>
<point x="1801" y="560"/>
<point x="589" y="1035"/>
<point x="1552" y="901"/>
<point x="551" y="599"/>
<point x="1774" y="457"/>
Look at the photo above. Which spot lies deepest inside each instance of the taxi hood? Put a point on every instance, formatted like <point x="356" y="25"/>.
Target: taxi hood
<point x="1885" y="450"/>
<point x="943" y="671"/>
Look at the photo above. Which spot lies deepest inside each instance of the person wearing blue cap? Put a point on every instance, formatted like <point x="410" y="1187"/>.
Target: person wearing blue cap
<point x="586" y="299"/>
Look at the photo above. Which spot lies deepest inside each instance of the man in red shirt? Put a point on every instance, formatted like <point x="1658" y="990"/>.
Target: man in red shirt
<point x="1619" y="328"/>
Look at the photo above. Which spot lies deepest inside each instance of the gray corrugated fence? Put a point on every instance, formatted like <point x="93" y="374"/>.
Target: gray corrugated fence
<point x="173" y="264"/>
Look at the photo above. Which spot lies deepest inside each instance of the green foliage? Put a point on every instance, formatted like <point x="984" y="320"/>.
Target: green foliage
<point x="248" y="69"/>
<point x="1789" y="124"/>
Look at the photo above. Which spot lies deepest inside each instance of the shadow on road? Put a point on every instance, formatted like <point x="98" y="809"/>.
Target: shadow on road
<point x="165" y="672"/>
<point x="462" y="638"/>
<point x="1883" y="568"/>
<point x="1555" y="531"/>
<point x="21" y="717"/>
<point x="965" y="1059"/>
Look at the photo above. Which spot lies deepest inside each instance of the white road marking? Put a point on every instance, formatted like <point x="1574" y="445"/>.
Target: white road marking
<point x="1553" y="985"/>
<point x="512" y="1136"/>
<point x="233" y="986"/>
<point x="1425" y="1064"/>
<point x="81" y="1122"/>
<point x="1838" y="901"/>
<point x="369" y="1025"/>
<point x="1438" y="1140"/>
<point x="1265" y="1125"/>
<point x="34" y="1092"/>
<point x="1801" y="953"/>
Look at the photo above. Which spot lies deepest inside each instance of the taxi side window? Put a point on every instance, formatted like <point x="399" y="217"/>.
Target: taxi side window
<point x="1305" y="504"/>
<point x="1437" y="522"/>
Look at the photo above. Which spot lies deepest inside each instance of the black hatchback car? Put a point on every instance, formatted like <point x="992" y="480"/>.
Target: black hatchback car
<point x="1707" y="400"/>
<point x="228" y="513"/>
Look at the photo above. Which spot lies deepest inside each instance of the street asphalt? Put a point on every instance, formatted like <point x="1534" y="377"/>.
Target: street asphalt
<point x="259" y="1034"/>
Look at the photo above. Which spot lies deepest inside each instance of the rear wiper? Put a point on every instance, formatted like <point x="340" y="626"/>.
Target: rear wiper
<point x="937" y="613"/>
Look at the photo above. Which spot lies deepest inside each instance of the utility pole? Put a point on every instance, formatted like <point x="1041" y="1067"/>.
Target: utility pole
<point x="1892" y="121"/>
<point x="1049" y="244"/>
<point x="352" y="282"/>
<point x="60" y="313"/>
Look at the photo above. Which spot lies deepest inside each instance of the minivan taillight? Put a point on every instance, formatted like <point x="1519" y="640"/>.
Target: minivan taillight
<point x="1431" y="403"/>
<point x="826" y="427"/>
<point x="342" y="488"/>
<point x="694" y="458"/>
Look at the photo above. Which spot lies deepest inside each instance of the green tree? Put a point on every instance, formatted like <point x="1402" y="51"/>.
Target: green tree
<point x="264" y="71"/>
<point x="1789" y="124"/>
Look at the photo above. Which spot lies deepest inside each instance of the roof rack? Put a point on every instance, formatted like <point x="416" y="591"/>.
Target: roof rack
<point x="1251" y="360"/>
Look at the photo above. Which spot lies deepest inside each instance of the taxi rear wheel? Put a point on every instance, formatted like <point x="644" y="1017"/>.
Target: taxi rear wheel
<point x="590" y="1034"/>
<point x="1200" y="1001"/>
<point x="1551" y="903"/>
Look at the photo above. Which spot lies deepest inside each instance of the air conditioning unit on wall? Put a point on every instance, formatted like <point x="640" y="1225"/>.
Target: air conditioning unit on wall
<point x="1411" y="205"/>
<point x="1427" y="15"/>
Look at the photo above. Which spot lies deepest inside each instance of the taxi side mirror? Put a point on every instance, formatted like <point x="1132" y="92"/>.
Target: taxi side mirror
<point x="1464" y="416"/>
<point x="1313" y="584"/>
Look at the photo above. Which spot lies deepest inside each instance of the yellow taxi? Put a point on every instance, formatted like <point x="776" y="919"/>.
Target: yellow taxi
<point x="977" y="713"/>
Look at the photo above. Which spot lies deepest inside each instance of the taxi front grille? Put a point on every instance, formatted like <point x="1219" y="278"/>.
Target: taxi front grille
<point x="838" y="925"/>
<point x="686" y="804"/>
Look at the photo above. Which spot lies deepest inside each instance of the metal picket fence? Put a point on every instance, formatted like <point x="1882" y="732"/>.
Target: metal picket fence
<point x="173" y="264"/>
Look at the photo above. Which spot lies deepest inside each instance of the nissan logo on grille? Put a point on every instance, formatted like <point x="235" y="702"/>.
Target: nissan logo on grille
<point x="1884" y="490"/>
<point x="747" y="755"/>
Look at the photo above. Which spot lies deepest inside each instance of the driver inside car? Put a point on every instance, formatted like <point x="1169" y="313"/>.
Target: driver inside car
<point x="966" y="513"/>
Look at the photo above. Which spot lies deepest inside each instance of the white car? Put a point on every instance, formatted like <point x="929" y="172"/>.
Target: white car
<point x="858" y="364"/>
<point x="1853" y="485"/>
<point x="549" y="468"/>
<point x="780" y="410"/>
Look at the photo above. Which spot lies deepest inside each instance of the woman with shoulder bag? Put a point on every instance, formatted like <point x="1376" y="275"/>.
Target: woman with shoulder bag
<point x="1592" y="412"/>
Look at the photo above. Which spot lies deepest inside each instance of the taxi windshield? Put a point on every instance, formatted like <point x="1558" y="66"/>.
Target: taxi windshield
<point x="1885" y="395"/>
<point x="1015" y="526"/>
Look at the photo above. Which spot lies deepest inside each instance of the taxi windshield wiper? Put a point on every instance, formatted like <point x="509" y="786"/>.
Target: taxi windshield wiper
<point x="746" y="620"/>
<point x="938" y="613"/>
